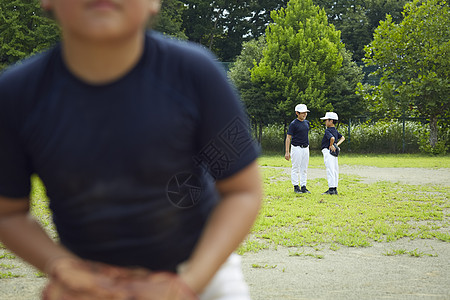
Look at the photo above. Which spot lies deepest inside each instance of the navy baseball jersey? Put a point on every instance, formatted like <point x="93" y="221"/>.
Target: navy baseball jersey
<point x="329" y="133"/>
<point x="129" y="166"/>
<point x="299" y="131"/>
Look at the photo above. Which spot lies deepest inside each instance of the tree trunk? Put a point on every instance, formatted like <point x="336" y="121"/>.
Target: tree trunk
<point x="433" y="131"/>
<point x="260" y="132"/>
<point x="214" y="30"/>
<point x="255" y="129"/>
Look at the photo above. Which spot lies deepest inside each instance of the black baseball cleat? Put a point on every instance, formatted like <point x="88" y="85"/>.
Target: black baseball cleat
<point x="304" y="190"/>
<point x="328" y="192"/>
<point x="331" y="191"/>
<point x="297" y="189"/>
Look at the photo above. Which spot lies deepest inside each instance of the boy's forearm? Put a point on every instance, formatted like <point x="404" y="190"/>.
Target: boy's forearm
<point x="226" y="229"/>
<point x="25" y="237"/>
<point x="287" y="144"/>
<point x="332" y="141"/>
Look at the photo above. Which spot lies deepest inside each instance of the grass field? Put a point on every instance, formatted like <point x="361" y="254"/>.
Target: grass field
<point x="361" y="215"/>
<point x="364" y="214"/>
<point x="375" y="160"/>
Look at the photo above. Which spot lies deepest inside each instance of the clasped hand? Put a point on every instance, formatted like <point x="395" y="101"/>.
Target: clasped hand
<point x="74" y="279"/>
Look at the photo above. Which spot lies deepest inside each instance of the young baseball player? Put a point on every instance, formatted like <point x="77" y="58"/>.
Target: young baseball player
<point x="297" y="140"/>
<point x="331" y="139"/>
<point x="144" y="151"/>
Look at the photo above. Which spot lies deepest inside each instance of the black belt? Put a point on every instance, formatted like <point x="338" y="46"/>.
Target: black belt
<point x="301" y="146"/>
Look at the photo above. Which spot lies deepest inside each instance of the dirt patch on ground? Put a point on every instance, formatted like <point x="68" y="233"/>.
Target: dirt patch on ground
<point x="351" y="273"/>
<point x="413" y="176"/>
<point x="347" y="273"/>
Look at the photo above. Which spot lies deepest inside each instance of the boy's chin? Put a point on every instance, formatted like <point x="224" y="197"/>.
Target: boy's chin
<point x="105" y="34"/>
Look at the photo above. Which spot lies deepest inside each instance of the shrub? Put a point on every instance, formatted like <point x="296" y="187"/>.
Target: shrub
<point x="384" y="137"/>
<point x="273" y="138"/>
<point x="443" y="144"/>
<point x="367" y="137"/>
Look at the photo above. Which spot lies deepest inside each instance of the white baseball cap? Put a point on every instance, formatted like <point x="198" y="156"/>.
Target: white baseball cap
<point x="330" y="116"/>
<point x="301" y="108"/>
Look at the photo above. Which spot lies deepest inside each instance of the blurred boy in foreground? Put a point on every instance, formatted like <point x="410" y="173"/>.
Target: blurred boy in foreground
<point x="144" y="151"/>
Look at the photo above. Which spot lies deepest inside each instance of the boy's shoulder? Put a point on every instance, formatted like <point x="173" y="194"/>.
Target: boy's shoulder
<point x="23" y="73"/>
<point x="178" y="52"/>
<point x="175" y="45"/>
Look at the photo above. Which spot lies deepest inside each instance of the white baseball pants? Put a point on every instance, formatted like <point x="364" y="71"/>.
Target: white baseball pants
<point x="332" y="167"/>
<point x="300" y="161"/>
<point x="228" y="283"/>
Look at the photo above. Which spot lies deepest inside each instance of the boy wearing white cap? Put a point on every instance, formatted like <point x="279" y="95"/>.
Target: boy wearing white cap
<point x="329" y="145"/>
<point x="297" y="141"/>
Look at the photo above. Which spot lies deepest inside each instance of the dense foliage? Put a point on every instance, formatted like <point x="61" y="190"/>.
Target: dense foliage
<point x="259" y="108"/>
<point x="24" y="30"/>
<point x="413" y="59"/>
<point x="223" y="25"/>
<point x="287" y="52"/>
<point x="341" y="92"/>
<point x="302" y="56"/>
<point x="169" y="20"/>
<point x="383" y="136"/>
<point x="358" y="19"/>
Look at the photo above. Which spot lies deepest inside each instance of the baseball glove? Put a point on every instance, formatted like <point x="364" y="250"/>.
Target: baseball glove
<point x="336" y="152"/>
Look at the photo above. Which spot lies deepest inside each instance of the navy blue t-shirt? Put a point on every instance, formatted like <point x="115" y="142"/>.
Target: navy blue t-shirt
<point x="129" y="166"/>
<point x="329" y="133"/>
<point x="299" y="131"/>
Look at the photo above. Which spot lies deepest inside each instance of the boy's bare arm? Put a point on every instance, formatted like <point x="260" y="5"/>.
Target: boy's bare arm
<point x="342" y="139"/>
<point x="24" y="236"/>
<point x="287" y="155"/>
<point x="227" y="227"/>
<point x="331" y="147"/>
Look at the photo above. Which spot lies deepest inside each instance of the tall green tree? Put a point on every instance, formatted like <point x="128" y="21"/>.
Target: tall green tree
<point x="301" y="59"/>
<point x="258" y="108"/>
<point x="258" y="16"/>
<point x="414" y="63"/>
<point x="342" y="90"/>
<point x="223" y="25"/>
<point x="358" y="19"/>
<point x="24" y="30"/>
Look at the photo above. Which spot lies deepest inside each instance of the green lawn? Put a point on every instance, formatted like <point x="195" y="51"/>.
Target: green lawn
<point x="362" y="214"/>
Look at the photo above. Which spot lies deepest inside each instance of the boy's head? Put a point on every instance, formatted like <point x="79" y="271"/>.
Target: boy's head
<point x="330" y="123"/>
<point x="99" y="20"/>
<point x="331" y="119"/>
<point x="301" y="111"/>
